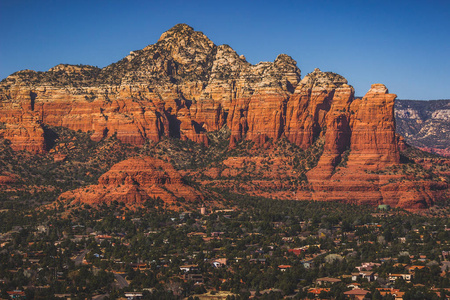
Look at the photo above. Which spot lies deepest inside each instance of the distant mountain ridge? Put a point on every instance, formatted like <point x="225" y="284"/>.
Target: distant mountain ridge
<point x="425" y="124"/>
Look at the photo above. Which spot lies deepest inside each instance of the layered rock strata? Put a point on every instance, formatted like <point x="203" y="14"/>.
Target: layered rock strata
<point x="185" y="86"/>
<point x="134" y="181"/>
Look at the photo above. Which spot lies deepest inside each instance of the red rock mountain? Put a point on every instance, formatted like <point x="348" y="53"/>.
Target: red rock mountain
<point x="133" y="181"/>
<point x="185" y="86"/>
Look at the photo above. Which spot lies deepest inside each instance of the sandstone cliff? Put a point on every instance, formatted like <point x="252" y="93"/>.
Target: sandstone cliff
<point x="184" y="86"/>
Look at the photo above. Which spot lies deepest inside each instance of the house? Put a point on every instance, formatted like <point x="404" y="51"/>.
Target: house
<point x="134" y="295"/>
<point x="189" y="268"/>
<point x="102" y="237"/>
<point x="353" y="285"/>
<point x="367" y="266"/>
<point x="138" y="266"/>
<point x="296" y="251"/>
<point x="219" y="262"/>
<point x="369" y="275"/>
<point x="16" y="294"/>
<point x="307" y="264"/>
<point x="406" y="277"/>
<point x="394" y="292"/>
<point x="42" y="229"/>
<point x="317" y="291"/>
<point x="356" y="294"/>
<point x="283" y="268"/>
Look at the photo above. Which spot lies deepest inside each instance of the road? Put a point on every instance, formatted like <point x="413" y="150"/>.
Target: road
<point x="100" y="297"/>
<point x="121" y="281"/>
<point x="79" y="259"/>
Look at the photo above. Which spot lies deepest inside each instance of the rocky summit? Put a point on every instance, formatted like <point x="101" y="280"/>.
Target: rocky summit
<point x="186" y="87"/>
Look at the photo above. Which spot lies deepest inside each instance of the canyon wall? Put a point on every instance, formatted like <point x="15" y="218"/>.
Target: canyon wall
<point x="185" y="86"/>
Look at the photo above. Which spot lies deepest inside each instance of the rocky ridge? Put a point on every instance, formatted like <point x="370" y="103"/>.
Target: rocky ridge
<point x="425" y="124"/>
<point x="184" y="86"/>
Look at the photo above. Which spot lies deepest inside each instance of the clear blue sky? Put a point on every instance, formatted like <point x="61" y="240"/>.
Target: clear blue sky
<point x="403" y="44"/>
